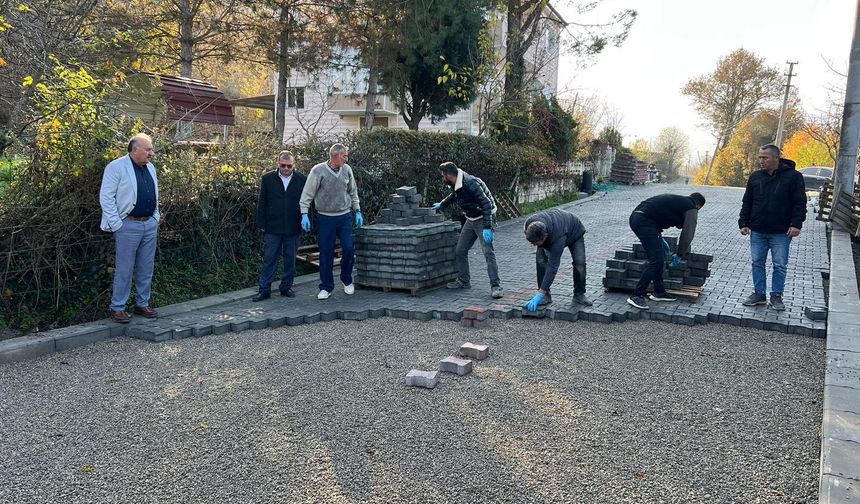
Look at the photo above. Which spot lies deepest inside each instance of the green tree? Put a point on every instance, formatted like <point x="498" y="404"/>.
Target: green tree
<point x="612" y="137"/>
<point x="672" y="146"/>
<point x="739" y="158"/>
<point x="553" y="129"/>
<point x="424" y="68"/>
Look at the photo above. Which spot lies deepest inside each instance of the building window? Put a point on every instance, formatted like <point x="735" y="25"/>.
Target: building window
<point x="378" y="122"/>
<point x="296" y="97"/>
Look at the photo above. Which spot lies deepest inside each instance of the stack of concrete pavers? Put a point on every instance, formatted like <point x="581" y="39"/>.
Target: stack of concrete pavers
<point x="406" y="256"/>
<point x="404" y="209"/>
<point x="475" y="316"/>
<point x="623" y="272"/>
<point x="459" y="365"/>
<point x="627" y="170"/>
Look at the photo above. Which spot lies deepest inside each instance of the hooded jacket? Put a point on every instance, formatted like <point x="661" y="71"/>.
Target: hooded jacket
<point x="474" y="198"/>
<point x="773" y="203"/>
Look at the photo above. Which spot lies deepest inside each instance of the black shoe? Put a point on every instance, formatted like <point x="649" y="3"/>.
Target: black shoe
<point x="581" y="299"/>
<point x="665" y="297"/>
<point x="755" y="299"/>
<point x="288" y="293"/>
<point x="638" y="301"/>
<point x="261" y="296"/>
<point x="546" y="300"/>
<point x="776" y="302"/>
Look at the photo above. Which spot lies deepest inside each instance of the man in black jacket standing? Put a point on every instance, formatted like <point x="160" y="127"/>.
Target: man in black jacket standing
<point x="551" y="232"/>
<point x="648" y="221"/>
<point x="279" y="217"/>
<point x="478" y="206"/>
<point x="773" y="211"/>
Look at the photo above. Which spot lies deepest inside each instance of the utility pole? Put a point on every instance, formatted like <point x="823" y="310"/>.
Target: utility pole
<point x="849" y="137"/>
<point x="781" y="128"/>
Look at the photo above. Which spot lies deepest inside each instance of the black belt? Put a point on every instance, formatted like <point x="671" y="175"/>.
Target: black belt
<point x="139" y="219"/>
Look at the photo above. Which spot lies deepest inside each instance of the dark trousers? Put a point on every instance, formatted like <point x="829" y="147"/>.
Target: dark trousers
<point x="274" y="245"/>
<point x="577" y="252"/>
<point x="330" y="229"/>
<point x="647" y="232"/>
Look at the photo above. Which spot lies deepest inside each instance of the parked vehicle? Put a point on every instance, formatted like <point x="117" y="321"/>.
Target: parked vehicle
<point x="815" y="176"/>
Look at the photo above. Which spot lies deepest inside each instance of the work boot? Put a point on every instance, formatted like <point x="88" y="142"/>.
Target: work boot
<point x="261" y="296"/>
<point x="288" y="293"/>
<point x="145" y="311"/>
<point x="457" y="284"/>
<point x="638" y="301"/>
<point x="755" y="299"/>
<point x="497" y="292"/>
<point x="581" y="299"/>
<point x="776" y="302"/>
<point x="120" y="316"/>
<point x="664" y="296"/>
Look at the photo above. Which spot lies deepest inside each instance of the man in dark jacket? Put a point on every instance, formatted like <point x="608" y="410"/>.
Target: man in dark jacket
<point x="279" y="217"/>
<point x="552" y="231"/>
<point x="648" y="221"/>
<point x="773" y="211"/>
<point x="478" y="206"/>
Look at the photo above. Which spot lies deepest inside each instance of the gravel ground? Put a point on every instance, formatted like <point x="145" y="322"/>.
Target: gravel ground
<point x="560" y="413"/>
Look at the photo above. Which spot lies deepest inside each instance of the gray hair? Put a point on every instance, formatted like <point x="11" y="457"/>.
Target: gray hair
<point x="285" y="154"/>
<point x="773" y="149"/>
<point x="336" y="149"/>
<point x="137" y="138"/>
<point x="536" y="231"/>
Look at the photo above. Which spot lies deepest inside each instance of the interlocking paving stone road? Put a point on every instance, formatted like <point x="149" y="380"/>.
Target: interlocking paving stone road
<point x="605" y="218"/>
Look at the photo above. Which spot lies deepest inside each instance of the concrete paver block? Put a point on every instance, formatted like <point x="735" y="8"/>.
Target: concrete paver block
<point x="836" y="490"/>
<point x="455" y="365"/>
<point x="25" y="347"/>
<point x="476" y="313"/>
<point x="473" y="351"/>
<point x="79" y="337"/>
<point x="418" y="378"/>
<point x="840" y="458"/>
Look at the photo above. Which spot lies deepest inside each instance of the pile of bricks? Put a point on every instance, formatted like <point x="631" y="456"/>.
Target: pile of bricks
<point x="404" y="209"/>
<point x="476" y="317"/>
<point x="412" y="256"/>
<point x="459" y="365"/>
<point x="623" y="272"/>
<point x="628" y="170"/>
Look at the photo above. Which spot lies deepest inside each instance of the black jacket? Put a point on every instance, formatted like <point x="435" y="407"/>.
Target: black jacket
<point x="563" y="230"/>
<point x="672" y="210"/>
<point x="474" y="198"/>
<point x="278" y="210"/>
<point x="772" y="203"/>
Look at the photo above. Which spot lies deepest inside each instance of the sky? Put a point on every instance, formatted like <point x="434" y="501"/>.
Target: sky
<point x="673" y="41"/>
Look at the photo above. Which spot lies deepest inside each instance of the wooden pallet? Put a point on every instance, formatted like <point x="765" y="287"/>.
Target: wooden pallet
<point x="411" y="292"/>
<point x="311" y="254"/>
<point x="507" y="205"/>
<point x="687" y="292"/>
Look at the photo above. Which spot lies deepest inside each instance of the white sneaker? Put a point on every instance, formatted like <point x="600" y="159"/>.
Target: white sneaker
<point x="324" y="294"/>
<point x="349" y="289"/>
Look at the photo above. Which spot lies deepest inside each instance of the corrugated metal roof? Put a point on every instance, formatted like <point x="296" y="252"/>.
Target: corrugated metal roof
<point x="193" y="100"/>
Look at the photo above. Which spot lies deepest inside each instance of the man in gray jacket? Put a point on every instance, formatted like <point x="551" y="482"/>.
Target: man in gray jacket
<point x="129" y="201"/>
<point x="552" y="231"/>
<point x="331" y="187"/>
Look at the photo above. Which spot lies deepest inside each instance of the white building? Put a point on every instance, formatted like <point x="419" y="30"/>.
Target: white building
<point x="333" y="101"/>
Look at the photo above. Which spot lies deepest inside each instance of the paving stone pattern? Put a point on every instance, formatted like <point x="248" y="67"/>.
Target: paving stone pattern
<point x="624" y="270"/>
<point x="605" y="218"/>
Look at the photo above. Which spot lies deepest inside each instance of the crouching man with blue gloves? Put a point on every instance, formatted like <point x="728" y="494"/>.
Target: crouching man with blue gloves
<point x="331" y="187"/>
<point x="477" y="203"/>
<point x="551" y="232"/>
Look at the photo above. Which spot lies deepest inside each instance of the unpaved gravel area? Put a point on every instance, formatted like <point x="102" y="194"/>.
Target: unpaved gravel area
<point x="559" y="413"/>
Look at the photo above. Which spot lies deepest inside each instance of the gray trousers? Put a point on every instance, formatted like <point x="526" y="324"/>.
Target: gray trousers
<point x="474" y="230"/>
<point x="135" y="254"/>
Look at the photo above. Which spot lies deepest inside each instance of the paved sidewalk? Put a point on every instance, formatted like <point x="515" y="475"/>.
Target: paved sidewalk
<point x="605" y="217"/>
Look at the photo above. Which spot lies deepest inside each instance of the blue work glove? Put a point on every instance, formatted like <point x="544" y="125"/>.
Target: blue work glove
<point x="666" y="248"/>
<point x="306" y="222"/>
<point x="533" y="304"/>
<point x="359" y="219"/>
<point x="488" y="236"/>
<point x="437" y="206"/>
<point x="676" y="261"/>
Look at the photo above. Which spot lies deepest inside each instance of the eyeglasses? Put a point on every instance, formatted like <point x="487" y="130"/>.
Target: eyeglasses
<point x="286" y="165"/>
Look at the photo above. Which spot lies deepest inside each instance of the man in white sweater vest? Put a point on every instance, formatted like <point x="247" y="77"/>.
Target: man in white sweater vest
<point x="332" y="189"/>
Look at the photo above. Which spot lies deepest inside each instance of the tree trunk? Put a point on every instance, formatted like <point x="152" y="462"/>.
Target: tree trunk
<point x="711" y="166"/>
<point x="370" y="109"/>
<point x="513" y="55"/>
<point x="186" y="39"/>
<point x="283" y="74"/>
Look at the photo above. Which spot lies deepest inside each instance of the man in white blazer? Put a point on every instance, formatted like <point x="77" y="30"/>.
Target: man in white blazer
<point x="129" y="201"/>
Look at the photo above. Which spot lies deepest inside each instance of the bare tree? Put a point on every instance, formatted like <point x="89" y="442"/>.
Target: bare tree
<point x="672" y="146"/>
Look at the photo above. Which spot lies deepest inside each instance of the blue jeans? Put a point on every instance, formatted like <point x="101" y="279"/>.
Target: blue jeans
<point x="273" y="245"/>
<point x="778" y="244"/>
<point x="328" y="229"/>
<point x="135" y="254"/>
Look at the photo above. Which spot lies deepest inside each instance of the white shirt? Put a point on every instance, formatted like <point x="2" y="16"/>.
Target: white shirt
<point x="285" y="180"/>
